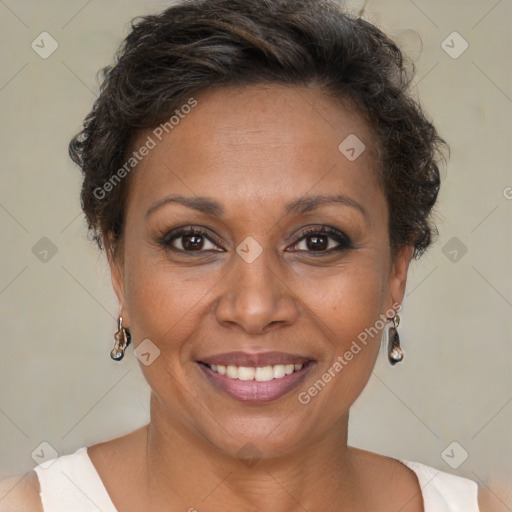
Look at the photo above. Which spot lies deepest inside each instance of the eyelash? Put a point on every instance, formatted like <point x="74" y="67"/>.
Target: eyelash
<point x="343" y="241"/>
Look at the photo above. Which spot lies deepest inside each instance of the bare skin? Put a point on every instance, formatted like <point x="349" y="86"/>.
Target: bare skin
<point x="253" y="150"/>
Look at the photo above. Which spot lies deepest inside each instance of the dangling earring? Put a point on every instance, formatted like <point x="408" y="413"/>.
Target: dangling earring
<point x="123" y="338"/>
<point x="395" y="352"/>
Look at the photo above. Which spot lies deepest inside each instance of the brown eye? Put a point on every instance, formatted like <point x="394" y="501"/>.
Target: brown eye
<point x="188" y="240"/>
<point x="192" y="242"/>
<point x="317" y="243"/>
<point x="322" y="240"/>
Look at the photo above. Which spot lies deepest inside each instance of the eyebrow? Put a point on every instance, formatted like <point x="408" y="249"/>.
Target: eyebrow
<point x="301" y="205"/>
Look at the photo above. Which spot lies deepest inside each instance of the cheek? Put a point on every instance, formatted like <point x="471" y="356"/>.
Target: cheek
<point x="163" y="307"/>
<point x="348" y="299"/>
<point x="161" y="303"/>
<point x="348" y="309"/>
<point x="167" y="302"/>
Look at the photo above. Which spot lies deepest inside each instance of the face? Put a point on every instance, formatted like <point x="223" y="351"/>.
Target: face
<point x="251" y="286"/>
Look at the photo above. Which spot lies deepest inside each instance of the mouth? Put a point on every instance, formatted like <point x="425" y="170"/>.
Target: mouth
<point x="255" y="373"/>
<point x="256" y="378"/>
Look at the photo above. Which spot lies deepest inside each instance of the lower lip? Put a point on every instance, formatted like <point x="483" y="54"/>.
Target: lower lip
<point x="251" y="391"/>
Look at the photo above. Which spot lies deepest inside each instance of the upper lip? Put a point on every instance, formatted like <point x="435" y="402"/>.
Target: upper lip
<point x="241" y="358"/>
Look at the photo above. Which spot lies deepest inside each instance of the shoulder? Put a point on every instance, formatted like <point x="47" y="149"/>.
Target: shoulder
<point x="121" y="455"/>
<point x="488" y="501"/>
<point x="452" y="491"/>
<point x="426" y="487"/>
<point x="20" y="493"/>
<point x="384" y="477"/>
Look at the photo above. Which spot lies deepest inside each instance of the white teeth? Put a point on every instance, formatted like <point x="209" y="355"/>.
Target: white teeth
<point x="264" y="373"/>
<point x="258" y="373"/>
<point x="279" y="371"/>
<point x="245" y="373"/>
<point x="232" y="372"/>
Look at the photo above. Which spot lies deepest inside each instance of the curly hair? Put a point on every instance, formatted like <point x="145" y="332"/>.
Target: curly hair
<point x="197" y="45"/>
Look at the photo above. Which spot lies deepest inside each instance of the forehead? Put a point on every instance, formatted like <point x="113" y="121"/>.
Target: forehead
<point x="259" y="142"/>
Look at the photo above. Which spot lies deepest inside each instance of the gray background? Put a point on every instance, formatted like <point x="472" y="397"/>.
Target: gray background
<point x="57" y="311"/>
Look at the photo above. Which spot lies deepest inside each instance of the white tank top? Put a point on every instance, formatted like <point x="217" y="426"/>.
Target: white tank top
<point x="70" y="483"/>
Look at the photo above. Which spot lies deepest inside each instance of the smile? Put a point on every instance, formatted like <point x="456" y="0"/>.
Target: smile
<point x="256" y="384"/>
<point x="259" y="373"/>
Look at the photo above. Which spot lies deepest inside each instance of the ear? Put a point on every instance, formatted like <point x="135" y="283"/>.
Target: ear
<point x="398" y="275"/>
<point x="117" y="276"/>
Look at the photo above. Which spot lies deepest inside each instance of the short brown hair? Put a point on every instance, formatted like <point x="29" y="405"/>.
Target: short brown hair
<point x="200" y="44"/>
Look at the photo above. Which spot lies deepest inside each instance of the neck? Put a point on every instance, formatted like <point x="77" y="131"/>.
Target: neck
<point x="185" y="470"/>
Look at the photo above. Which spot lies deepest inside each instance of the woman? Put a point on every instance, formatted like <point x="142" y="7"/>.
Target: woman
<point x="260" y="181"/>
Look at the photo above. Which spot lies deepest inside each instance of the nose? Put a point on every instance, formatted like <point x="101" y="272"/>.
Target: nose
<point x="255" y="296"/>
